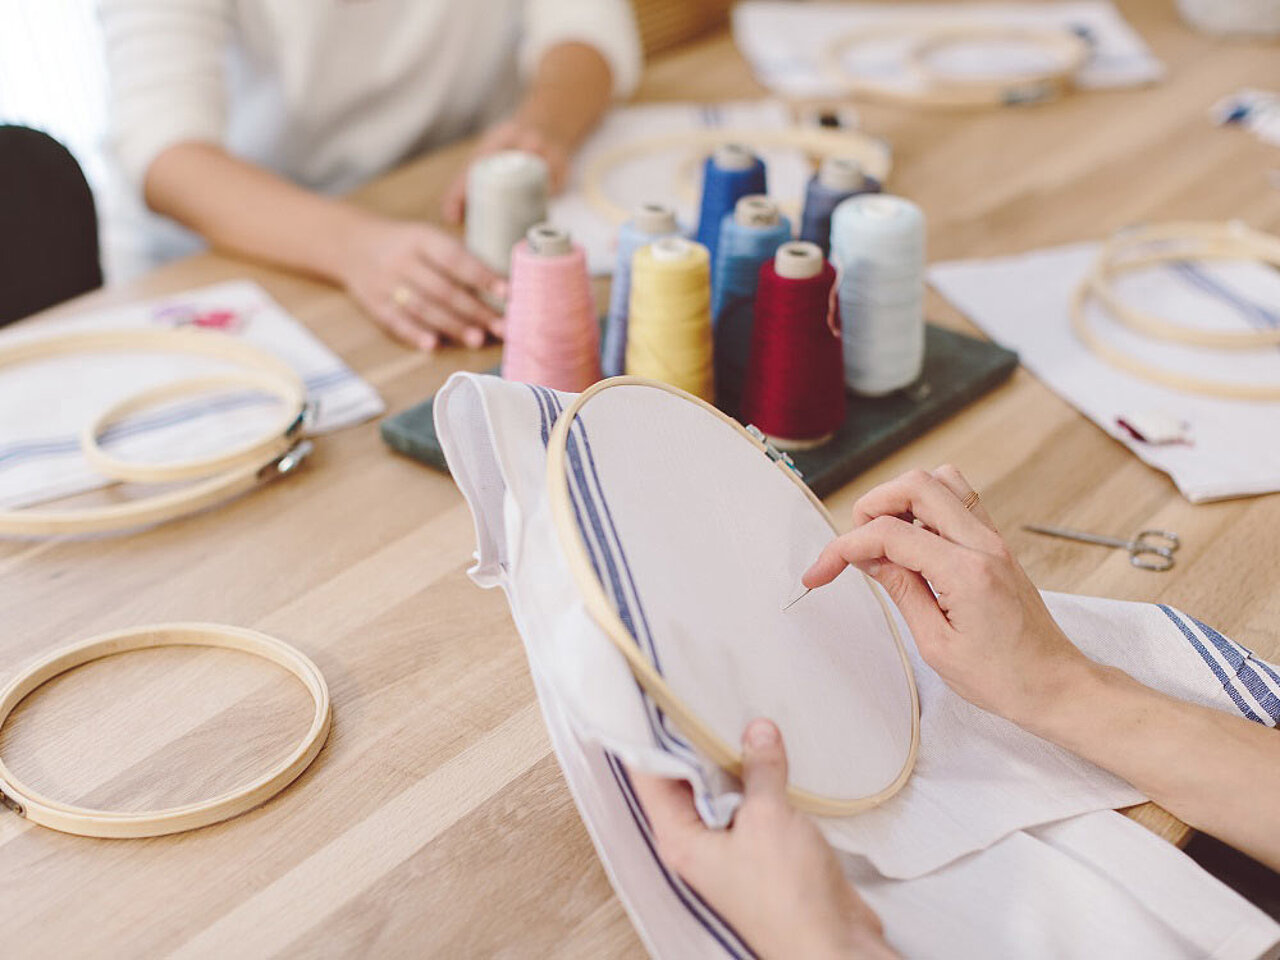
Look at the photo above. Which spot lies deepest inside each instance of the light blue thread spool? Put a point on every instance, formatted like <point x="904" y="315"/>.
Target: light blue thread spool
<point x="749" y="237"/>
<point x="877" y="244"/>
<point x="651" y="221"/>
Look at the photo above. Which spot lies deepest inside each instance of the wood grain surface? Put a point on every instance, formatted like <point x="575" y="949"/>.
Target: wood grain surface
<point x="436" y="823"/>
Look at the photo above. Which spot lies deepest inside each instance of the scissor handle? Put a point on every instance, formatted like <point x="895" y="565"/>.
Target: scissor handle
<point x="1143" y="540"/>
<point x="1158" y="559"/>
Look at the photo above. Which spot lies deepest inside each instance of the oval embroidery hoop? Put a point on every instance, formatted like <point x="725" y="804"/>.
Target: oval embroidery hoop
<point x="873" y="155"/>
<point x="219" y="477"/>
<point x="89" y="822"/>
<point x="605" y="615"/>
<point x="1069" y="48"/>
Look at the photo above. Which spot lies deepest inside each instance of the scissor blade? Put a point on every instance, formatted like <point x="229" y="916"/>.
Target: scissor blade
<point x="1079" y="535"/>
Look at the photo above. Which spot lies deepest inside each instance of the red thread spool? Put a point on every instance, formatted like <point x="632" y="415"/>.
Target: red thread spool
<point x="794" y="391"/>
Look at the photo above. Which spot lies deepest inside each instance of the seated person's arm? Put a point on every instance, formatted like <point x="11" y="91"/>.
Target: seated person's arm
<point x="989" y="635"/>
<point x="579" y="55"/>
<point x="166" y="60"/>
<point x="770" y="874"/>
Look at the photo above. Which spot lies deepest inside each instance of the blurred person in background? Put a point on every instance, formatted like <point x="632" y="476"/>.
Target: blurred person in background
<point x="243" y="120"/>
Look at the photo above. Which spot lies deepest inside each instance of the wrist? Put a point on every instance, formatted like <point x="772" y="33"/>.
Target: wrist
<point x="1074" y="692"/>
<point x="353" y="236"/>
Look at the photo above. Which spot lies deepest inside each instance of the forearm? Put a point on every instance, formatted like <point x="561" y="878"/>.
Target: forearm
<point x="1217" y="772"/>
<point x="570" y="92"/>
<point x="247" y="210"/>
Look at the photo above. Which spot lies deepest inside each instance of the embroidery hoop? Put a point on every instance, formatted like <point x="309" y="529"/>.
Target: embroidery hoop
<point x="91" y="822"/>
<point x="602" y="610"/>
<point x="871" y="153"/>
<point x="1070" y="49"/>
<point x="1199" y="240"/>
<point x="220" y="477"/>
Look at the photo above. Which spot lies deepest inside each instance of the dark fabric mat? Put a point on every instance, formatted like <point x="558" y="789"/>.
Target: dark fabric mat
<point x="957" y="370"/>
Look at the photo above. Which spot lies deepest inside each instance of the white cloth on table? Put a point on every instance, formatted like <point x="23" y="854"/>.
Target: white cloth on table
<point x="968" y="832"/>
<point x="663" y="175"/>
<point x="785" y="42"/>
<point x="1233" y="446"/>
<point x="44" y="405"/>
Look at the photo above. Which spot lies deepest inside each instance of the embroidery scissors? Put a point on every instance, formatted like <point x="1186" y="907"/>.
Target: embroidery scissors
<point x="1148" y="549"/>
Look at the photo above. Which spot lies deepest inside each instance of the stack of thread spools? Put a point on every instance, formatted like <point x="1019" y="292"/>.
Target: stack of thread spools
<point x="766" y="327"/>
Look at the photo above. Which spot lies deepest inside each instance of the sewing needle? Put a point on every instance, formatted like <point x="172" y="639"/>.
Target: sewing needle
<point x="791" y="603"/>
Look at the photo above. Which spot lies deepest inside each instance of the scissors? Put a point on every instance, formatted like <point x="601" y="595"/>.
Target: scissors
<point x="1146" y="551"/>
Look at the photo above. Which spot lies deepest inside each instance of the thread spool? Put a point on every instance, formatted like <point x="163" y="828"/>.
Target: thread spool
<point x="748" y="237"/>
<point x="837" y="179"/>
<point x="552" y="335"/>
<point x="730" y="172"/>
<point x="877" y="243"/>
<point x="651" y="221"/>
<point x="506" y="196"/>
<point x="669" y="330"/>
<point x="794" y="391"/>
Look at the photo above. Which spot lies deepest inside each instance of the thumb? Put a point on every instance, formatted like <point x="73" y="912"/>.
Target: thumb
<point x="764" y="761"/>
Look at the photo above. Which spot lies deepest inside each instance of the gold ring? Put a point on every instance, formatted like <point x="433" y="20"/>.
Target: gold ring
<point x="970" y="500"/>
<point x="402" y="297"/>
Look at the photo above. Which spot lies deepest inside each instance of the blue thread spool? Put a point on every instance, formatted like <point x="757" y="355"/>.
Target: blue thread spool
<point x="877" y="244"/>
<point x="838" y="179"/>
<point x="749" y="236"/>
<point x="731" y="172"/>
<point x="651" y="221"/>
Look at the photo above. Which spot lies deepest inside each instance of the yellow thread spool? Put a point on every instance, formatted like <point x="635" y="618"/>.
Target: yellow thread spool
<point x="669" y="330"/>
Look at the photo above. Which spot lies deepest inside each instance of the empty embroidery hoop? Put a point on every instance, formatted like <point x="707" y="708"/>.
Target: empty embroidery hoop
<point x="627" y="464"/>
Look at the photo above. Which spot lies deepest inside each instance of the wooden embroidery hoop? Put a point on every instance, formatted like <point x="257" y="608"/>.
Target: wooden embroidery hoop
<point x="602" y="610"/>
<point x="1070" y="49"/>
<point x="871" y="153"/>
<point x="90" y="822"/>
<point x="219" y="477"/>
<point x="1184" y="240"/>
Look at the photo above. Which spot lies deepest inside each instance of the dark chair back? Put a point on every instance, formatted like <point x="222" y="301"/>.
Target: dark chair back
<point x="48" y="225"/>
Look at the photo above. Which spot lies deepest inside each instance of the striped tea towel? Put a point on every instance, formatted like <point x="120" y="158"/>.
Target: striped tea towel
<point x="1227" y="448"/>
<point x="784" y="42"/>
<point x="43" y="406"/>
<point x="1000" y="845"/>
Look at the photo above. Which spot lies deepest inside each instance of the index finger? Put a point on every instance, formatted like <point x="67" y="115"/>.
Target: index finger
<point x="938" y="560"/>
<point x="447" y="254"/>
<point x="930" y="501"/>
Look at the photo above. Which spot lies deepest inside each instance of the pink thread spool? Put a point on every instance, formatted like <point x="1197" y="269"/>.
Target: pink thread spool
<point x="552" y="335"/>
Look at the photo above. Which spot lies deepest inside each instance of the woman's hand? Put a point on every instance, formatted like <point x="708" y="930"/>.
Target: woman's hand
<point x="515" y="133"/>
<point x="983" y="626"/>
<point x="421" y="284"/>
<point x="771" y="875"/>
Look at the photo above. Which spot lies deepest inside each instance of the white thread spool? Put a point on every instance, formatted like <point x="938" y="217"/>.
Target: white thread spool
<point x="506" y="196"/>
<point x="841" y="173"/>
<point x="877" y="244"/>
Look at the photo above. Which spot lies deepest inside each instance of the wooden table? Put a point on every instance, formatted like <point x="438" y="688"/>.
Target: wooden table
<point x="436" y="821"/>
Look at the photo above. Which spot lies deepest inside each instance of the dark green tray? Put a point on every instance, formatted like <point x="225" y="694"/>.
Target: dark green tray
<point x="957" y="370"/>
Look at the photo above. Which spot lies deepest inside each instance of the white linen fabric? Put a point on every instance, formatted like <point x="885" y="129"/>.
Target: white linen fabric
<point x="328" y="93"/>
<point x="44" y="405"/>
<point x="664" y="175"/>
<point x="1232" y="447"/>
<point x="784" y="42"/>
<point x="1000" y="845"/>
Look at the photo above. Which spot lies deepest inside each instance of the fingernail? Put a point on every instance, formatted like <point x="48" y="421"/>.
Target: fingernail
<point x="871" y="568"/>
<point x="804" y="577"/>
<point x="499" y="289"/>
<point x="474" y="337"/>
<point x="428" y="342"/>
<point x="761" y="733"/>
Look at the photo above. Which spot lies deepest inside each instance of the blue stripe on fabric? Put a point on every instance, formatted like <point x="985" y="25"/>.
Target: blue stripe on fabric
<point x="33" y="449"/>
<point x="704" y="913"/>
<point x="576" y="444"/>
<point x="1255" y="313"/>
<point x="1243" y="664"/>
<point x="1213" y="664"/>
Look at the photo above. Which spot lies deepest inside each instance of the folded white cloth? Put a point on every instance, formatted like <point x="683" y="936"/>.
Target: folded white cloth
<point x="43" y="406"/>
<point x="986" y="878"/>
<point x="784" y="42"/>
<point x="669" y="176"/>
<point x="1230" y="448"/>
